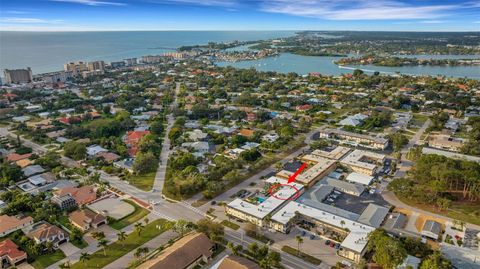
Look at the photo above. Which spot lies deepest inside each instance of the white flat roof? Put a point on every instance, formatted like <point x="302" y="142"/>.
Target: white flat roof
<point x="359" y="178"/>
<point x="356" y="240"/>
<point x="354" y="159"/>
<point x="312" y="172"/>
<point x="261" y="210"/>
<point x="335" y="154"/>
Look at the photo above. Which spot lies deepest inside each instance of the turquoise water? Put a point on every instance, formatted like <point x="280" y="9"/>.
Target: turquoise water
<point x="48" y="51"/>
<point x="286" y="63"/>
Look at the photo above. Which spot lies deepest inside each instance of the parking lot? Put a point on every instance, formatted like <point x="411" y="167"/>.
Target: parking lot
<point x="357" y="204"/>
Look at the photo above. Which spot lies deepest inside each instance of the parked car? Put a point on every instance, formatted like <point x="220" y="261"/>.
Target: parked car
<point x="330" y="200"/>
<point x="327" y="242"/>
<point x="303" y="233"/>
<point x="213" y="202"/>
<point x="337" y="245"/>
<point x="312" y="237"/>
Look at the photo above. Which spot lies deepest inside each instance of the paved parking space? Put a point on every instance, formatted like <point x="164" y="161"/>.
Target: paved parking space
<point x="471" y="239"/>
<point x="315" y="247"/>
<point x="68" y="248"/>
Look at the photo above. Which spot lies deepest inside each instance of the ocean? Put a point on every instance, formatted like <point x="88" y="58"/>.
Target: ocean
<point x="48" y="51"/>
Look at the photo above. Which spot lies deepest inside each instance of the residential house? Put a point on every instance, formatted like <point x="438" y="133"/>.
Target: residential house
<point x="14" y="157"/>
<point x="33" y="170"/>
<point x="93" y="150"/>
<point x="86" y="219"/>
<point x="82" y="195"/>
<point x="9" y="224"/>
<point x="44" y="232"/>
<point x="108" y="156"/>
<point x="11" y="254"/>
<point x="132" y="139"/>
<point x="431" y="229"/>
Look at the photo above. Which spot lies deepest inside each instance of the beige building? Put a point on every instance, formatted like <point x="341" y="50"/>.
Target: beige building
<point x="96" y="65"/>
<point x="335" y="154"/>
<point x="75" y="67"/>
<point x="186" y="253"/>
<point x="18" y="76"/>
<point x="446" y="143"/>
<point x="352" y="235"/>
<point x="257" y="213"/>
<point x="354" y="139"/>
<point x="318" y="168"/>
<point x="364" y="162"/>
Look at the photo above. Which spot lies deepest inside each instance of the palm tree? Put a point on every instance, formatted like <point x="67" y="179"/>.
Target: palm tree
<point x="121" y="236"/>
<point x="146" y="220"/>
<point x="138" y="228"/>
<point x="342" y="222"/>
<point x="299" y="240"/>
<point x="103" y="243"/>
<point x="84" y="257"/>
<point x="98" y="235"/>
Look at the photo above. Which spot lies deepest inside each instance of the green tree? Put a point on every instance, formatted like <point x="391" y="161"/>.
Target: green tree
<point x="435" y="261"/>
<point x="121" y="236"/>
<point x="102" y="243"/>
<point x="84" y="257"/>
<point x="299" y="240"/>
<point x="388" y="252"/>
<point x="145" y="163"/>
<point x="139" y="228"/>
<point x="74" y="150"/>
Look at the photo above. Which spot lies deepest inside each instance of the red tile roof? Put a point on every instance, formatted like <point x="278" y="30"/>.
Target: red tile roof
<point x="13" y="157"/>
<point x="10" y="249"/>
<point x="82" y="195"/>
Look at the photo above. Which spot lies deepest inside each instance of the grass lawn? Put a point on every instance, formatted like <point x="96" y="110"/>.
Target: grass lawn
<point x="44" y="261"/>
<point x="136" y="215"/>
<point x="230" y="225"/>
<point x="418" y="119"/>
<point x="301" y="255"/>
<point x="466" y="212"/>
<point x="118" y="249"/>
<point x="143" y="182"/>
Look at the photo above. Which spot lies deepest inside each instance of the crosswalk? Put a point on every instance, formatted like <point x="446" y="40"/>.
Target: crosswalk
<point x="194" y="209"/>
<point x="162" y="215"/>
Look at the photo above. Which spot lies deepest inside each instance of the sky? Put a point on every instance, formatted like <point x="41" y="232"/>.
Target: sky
<point x="118" y="15"/>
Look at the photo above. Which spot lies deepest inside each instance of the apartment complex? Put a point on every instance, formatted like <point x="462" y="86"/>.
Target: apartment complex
<point x="354" y="139"/>
<point x="353" y="234"/>
<point x="18" y="76"/>
<point x="256" y="213"/>
<point x="75" y="67"/>
<point x="364" y="162"/>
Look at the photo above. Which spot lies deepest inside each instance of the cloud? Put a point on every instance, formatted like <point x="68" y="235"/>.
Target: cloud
<point x="356" y="9"/>
<point x="218" y="3"/>
<point x="27" y="20"/>
<point x="92" y="2"/>
<point x="433" y="21"/>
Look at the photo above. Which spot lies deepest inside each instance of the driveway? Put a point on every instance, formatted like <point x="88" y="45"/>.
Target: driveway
<point x="68" y="248"/>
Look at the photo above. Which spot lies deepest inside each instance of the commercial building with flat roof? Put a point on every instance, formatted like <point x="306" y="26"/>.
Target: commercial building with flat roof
<point x="365" y="162"/>
<point x="354" y="235"/>
<point x="318" y="168"/>
<point x="256" y="213"/>
<point x="354" y="139"/>
<point x="334" y="154"/>
<point x="18" y="76"/>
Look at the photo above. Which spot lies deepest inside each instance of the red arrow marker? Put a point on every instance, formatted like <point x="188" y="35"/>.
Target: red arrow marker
<point x="300" y="169"/>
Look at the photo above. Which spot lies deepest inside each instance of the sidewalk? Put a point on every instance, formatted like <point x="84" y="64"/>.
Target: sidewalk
<point x="151" y="245"/>
<point x="110" y="235"/>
